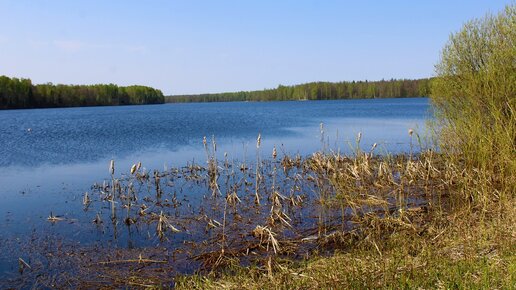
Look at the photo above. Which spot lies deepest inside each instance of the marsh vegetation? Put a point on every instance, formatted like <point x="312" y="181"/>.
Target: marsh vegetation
<point x="465" y="240"/>
<point x="247" y="213"/>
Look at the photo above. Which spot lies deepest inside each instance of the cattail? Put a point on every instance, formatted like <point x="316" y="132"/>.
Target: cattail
<point x="410" y="131"/>
<point x="23" y="265"/>
<point x="274" y="152"/>
<point x="138" y="166"/>
<point x="321" y="126"/>
<point x="112" y="167"/>
<point x="371" y="151"/>
<point x="204" y="142"/>
<point x="97" y="219"/>
<point x="259" y="141"/>
<point x="86" y="199"/>
<point x="52" y="218"/>
<point x="133" y="168"/>
<point x="359" y="137"/>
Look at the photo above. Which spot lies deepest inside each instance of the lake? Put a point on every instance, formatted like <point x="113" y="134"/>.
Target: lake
<point x="50" y="157"/>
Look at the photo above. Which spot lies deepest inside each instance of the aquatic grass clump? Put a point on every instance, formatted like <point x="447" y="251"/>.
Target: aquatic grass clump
<point x="258" y="175"/>
<point x="337" y="192"/>
<point x="213" y="169"/>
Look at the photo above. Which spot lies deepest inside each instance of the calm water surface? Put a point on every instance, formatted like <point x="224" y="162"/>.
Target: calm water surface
<point x="50" y="157"/>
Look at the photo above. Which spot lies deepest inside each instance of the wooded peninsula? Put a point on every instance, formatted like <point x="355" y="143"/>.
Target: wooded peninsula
<point x="18" y="93"/>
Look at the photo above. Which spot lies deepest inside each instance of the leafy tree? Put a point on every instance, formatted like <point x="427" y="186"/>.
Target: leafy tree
<point x="21" y="93"/>
<point x="475" y="99"/>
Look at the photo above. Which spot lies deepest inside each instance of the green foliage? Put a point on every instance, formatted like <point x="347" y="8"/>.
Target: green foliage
<point x="475" y="97"/>
<point x="320" y="91"/>
<point x="21" y="93"/>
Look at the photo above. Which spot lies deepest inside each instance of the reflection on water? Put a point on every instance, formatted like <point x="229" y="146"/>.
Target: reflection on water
<point x="73" y="145"/>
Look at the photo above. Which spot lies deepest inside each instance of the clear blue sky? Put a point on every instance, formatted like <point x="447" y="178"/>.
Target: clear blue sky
<point x="195" y="46"/>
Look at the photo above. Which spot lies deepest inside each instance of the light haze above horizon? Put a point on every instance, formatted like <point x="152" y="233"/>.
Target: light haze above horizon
<point x="191" y="47"/>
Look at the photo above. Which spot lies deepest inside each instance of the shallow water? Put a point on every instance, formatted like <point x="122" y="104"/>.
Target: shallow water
<point x="50" y="157"/>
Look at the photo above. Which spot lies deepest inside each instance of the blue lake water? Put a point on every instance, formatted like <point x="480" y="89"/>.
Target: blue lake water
<point x="50" y="157"/>
<point x="51" y="149"/>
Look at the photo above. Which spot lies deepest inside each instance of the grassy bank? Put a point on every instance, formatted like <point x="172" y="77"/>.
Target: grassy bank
<point x="464" y="237"/>
<point x="453" y="251"/>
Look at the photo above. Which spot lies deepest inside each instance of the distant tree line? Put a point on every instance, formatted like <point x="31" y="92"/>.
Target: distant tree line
<point x="21" y="94"/>
<point x="393" y="88"/>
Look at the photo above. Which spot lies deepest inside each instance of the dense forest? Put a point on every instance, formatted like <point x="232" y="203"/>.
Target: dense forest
<point x="22" y="94"/>
<point x="320" y="91"/>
